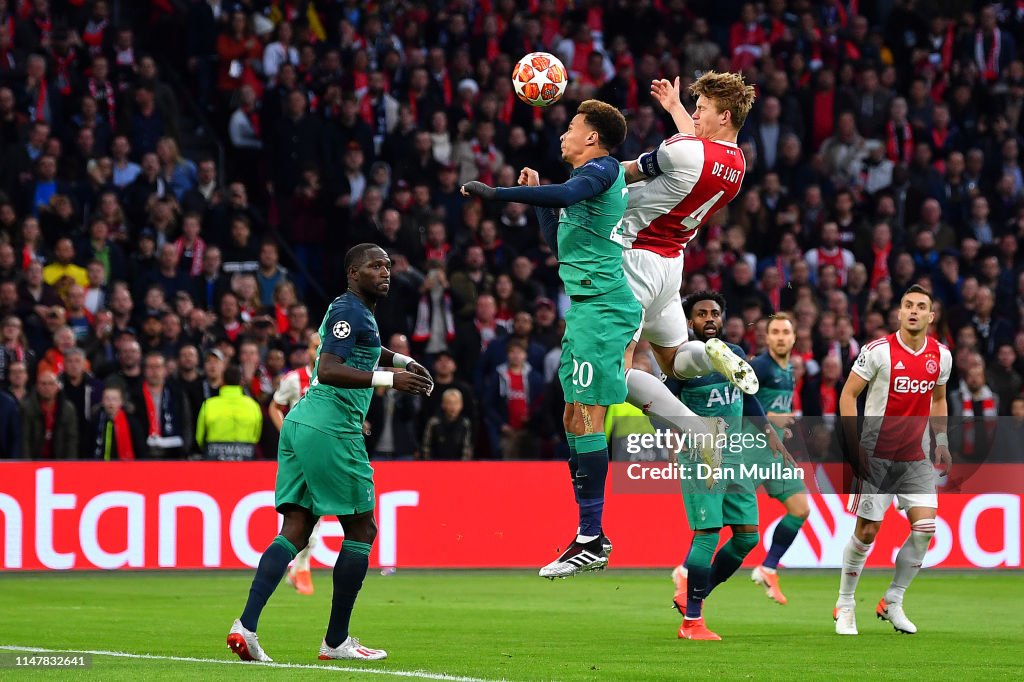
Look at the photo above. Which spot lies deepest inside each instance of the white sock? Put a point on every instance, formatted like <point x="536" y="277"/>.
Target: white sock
<point x="653" y="397"/>
<point x="910" y="558"/>
<point x="302" y="558"/>
<point x="584" y="539"/>
<point x="855" y="555"/>
<point x="691" y="360"/>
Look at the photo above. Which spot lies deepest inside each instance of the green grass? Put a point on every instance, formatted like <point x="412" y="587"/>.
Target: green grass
<point x="513" y="625"/>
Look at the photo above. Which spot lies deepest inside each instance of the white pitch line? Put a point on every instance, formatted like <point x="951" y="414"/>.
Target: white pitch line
<point x="415" y="674"/>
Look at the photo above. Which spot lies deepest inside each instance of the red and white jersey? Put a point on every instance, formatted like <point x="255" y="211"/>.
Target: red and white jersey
<point x="293" y="386"/>
<point x="899" y="395"/>
<point x="688" y="180"/>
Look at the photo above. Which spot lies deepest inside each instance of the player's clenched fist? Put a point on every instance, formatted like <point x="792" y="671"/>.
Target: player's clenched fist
<point x="407" y="382"/>
<point x="476" y="188"/>
<point x="529" y="177"/>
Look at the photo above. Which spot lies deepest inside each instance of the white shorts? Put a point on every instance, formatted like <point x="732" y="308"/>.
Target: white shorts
<point x="655" y="281"/>
<point x="911" y="483"/>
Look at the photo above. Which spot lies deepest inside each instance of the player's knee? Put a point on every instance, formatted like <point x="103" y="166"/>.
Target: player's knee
<point x="745" y="541"/>
<point x="866" y="532"/>
<point x="800" y="508"/>
<point x="365" y="531"/>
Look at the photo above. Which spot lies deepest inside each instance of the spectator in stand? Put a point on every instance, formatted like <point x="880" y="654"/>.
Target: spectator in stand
<point x="230" y="423"/>
<point x="165" y="414"/>
<point x="512" y="399"/>
<point x="48" y="422"/>
<point x="449" y="433"/>
<point x="118" y="434"/>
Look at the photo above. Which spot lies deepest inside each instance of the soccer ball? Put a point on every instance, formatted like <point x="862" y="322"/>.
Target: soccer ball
<point x="539" y="79"/>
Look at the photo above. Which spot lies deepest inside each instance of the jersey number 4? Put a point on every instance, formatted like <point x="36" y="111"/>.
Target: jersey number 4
<point x="693" y="221"/>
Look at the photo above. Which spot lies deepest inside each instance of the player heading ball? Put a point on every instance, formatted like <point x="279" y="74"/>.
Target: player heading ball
<point x="586" y="237"/>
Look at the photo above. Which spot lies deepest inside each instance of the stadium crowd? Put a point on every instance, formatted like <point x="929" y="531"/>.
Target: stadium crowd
<point x="139" y="283"/>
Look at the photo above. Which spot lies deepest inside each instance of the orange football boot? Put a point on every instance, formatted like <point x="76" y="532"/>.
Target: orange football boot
<point x="696" y="629"/>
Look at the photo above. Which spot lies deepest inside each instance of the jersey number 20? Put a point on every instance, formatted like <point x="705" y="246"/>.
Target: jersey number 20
<point x="582" y="373"/>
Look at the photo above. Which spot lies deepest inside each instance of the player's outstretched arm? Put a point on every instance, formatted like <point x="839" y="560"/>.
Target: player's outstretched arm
<point x="275" y="414"/>
<point x="578" y="188"/>
<point x="939" y="414"/>
<point x="667" y="94"/>
<point x="332" y="371"/>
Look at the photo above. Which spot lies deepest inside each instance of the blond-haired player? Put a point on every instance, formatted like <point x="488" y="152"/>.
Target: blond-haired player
<point x="674" y="190"/>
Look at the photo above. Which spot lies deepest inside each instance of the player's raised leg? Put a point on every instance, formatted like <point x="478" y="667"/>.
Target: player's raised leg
<point x="908" y="563"/>
<point x="298" y="524"/>
<point x="349" y="572"/>
<point x="767" y="575"/>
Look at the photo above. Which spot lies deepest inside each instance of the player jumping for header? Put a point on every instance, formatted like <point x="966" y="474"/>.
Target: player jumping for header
<point x="604" y="314"/>
<point x="687" y="179"/>
<point x="905" y="375"/>
<point x="322" y="466"/>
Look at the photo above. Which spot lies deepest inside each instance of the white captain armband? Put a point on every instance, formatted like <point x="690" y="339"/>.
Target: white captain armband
<point x="648" y="164"/>
<point x="382" y="378"/>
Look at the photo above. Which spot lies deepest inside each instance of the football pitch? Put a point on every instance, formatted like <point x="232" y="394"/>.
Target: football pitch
<point x="512" y="625"/>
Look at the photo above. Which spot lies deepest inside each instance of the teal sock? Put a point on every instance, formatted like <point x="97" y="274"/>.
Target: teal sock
<point x="730" y="557"/>
<point x="349" y="571"/>
<point x="698" y="569"/>
<point x="591" y="473"/>
<point x="269" y="572"/>
<point x="574" y="463"/>
<point x="782" y="538"/>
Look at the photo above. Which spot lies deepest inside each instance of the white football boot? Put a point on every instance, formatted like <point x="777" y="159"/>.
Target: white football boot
<point x="731" y="366"/>
<point x="846" y="620"/>
<point x="351" y="649"/>
<point x="896" y="616"/>
<point x="246" y="644"/>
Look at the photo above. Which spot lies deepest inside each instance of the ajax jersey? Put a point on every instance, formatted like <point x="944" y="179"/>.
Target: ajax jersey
<point x="688" y="179"/>
<point x="899" y="395"/>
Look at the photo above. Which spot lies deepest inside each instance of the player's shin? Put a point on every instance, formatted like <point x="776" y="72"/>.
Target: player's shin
<point x="698" y="568"/>
<point x="855" y="555"/>
<point x="784" y="535"/>
<point x="269" y="572"/>
<point x="910" y="558"/>
<point x="730" y="557"/>
<point x="574" y="463"/>
<point x="591" y="473"/>
<point x="349" y="572"/>
<point x="691" y="360"/>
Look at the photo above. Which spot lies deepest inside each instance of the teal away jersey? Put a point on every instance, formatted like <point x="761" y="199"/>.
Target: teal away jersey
<point x="712" y="395"/>
<point x="589" y="239"/>
<point x="777" y="384"/>
<point x="350" y="332"/>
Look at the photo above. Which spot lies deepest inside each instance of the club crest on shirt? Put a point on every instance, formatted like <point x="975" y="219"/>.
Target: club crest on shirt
<point x="341" y="329"/>
<point x="931" y="366"/>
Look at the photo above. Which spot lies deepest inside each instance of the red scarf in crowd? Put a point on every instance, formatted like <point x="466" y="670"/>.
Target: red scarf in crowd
<point x="484" y="161"/>
<point x="93" y="35"/>
<point x="899" y="151"/>
<point x="198" y="250"/>
<point x="988" y="62"/>
<point x="62" y="69"/>
<point x="421" y="332"/>
<point x="988" y="410"/>
<point x="49" y="425"/>
<point x="154" y="418"/>
<point x="880" y="269"/>
<point x="103" y="91"/>
<point x="41" y="99"/>
<point x="123" y="438"/>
